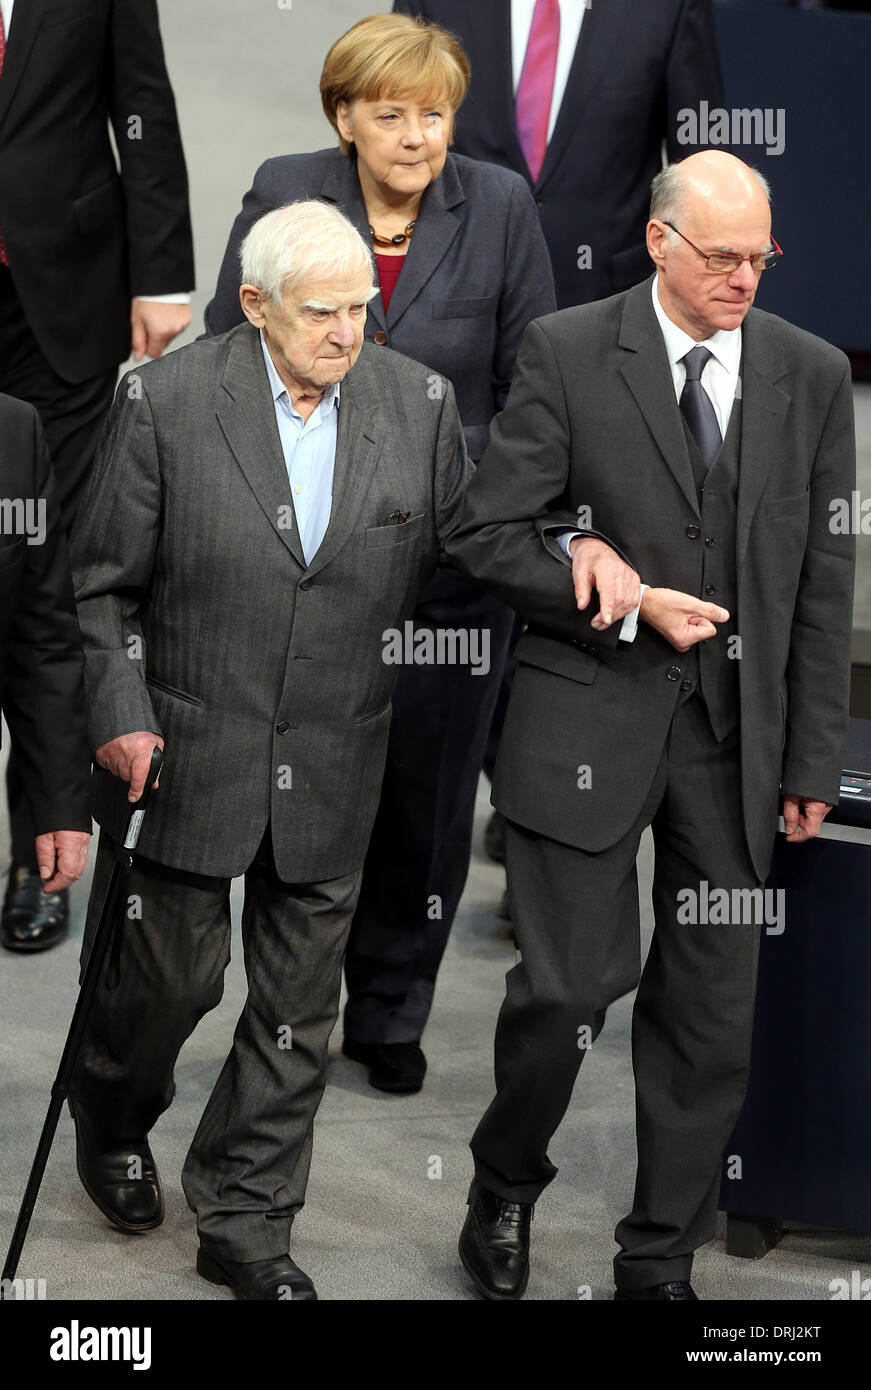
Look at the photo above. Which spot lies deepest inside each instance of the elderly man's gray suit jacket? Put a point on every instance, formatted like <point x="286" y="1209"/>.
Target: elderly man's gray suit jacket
<point x="202" y="621"/>
<point x="592" y="421"/>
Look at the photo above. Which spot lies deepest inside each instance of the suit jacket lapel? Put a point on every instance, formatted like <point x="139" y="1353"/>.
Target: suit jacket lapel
<point x="342" y="187"/>
<point x="648" y="376"/>
<point x="495" y="79"/>
<point x="357" y="452"/>
<point x="600" y="31"/>
<point x="438" y="223"/>
<point x="764" y="406"/>
<point x="26" y="19"/>
<point x="246" y="414"/>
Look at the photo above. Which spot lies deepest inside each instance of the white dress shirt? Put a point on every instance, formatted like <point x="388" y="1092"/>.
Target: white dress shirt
<point x="571" y="18"/>
<point x="6" y="6"/>
<point x="720" y="378"/>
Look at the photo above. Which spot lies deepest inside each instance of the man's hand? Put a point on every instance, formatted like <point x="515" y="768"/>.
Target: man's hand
<point x="681" y="619"/>
<point x="129" y="757"/>
<point x="802" y="818"/>
<point x="596" y="566"/>
<point x="153" y="326"/>
<point x="61" y="856"/>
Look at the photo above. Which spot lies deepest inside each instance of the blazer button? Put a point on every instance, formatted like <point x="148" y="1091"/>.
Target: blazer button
<point x="709" y="589"/>
<point x="710" y="540"/>
<point x="282" y="726"/>
<point x="674" y="673"/>
<point x="380" y="338"/>
<point x="306" y="585"/>
<point x="692" y="533"/>
<point x="686" y="685"/>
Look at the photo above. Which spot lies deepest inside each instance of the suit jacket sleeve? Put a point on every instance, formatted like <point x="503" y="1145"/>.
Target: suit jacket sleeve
<point x="44" y="695"/>
<point x="153" y="172"/>
<point x="516" y="493"/>
<point x="528" y="290"/>
<point x="818" y="672"/>
<point x="114" y="544"/>
<point x="693" y="74"/>
<point x="224" y="311"/>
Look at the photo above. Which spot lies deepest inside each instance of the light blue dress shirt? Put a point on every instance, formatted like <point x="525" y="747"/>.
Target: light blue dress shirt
<point x="309" y="448"/>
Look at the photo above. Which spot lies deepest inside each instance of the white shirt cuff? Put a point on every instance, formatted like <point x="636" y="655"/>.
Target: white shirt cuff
<point x="163" y="298"/>
<point x="629" y="627"/>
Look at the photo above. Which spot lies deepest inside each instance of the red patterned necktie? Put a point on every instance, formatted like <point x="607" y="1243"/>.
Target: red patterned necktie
<point x="3" y="258"/>
<point x="535" y="90"/>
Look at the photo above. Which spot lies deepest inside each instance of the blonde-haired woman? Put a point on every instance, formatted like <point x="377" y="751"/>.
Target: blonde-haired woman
<point x="462" y="268"/>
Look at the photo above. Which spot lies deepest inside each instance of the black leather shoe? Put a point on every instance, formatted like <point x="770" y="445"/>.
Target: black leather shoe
<point x="494" y="838"/>
<point x="32" y="920"/>
<point x="396" y="1067"/>
<point x="494" y="1243"/>
<point x="680" y="1290"/>
<point x="132" y="1204"/>
<point x="264" y="1281"/>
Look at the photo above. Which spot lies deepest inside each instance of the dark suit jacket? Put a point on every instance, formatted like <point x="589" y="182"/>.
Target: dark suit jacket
<point x="637" y="64"/>
<point x="82" y="239"/>
<point x="41" y="686"/>
<point x="264" y="674"/>
<point x="593" y="421"/>
<point x="475" y="275"/>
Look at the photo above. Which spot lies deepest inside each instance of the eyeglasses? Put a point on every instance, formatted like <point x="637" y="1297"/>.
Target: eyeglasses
<point x="730" y="261"/>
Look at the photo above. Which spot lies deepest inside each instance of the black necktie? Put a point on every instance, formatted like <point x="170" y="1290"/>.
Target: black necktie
<point x="697" y="406"/>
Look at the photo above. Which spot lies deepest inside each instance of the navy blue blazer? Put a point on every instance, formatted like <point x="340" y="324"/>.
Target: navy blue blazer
<point x="476" y="272"/>
<point x="637" y="64"/>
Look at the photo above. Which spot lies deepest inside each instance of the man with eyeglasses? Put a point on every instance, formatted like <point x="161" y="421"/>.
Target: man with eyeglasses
<point x="694" y="443"/>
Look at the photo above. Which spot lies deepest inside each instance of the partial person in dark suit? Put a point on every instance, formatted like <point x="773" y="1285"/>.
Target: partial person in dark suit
<point x="462" y="268"/>
<point x="677" y="436"/>
<point x="92" y="261"/>
<point x="42" y="692"/>
<point x="579" y="99"/>
<point x="265" y="508"/>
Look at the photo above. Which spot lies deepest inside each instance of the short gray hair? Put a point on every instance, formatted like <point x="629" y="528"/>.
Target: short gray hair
<point x="668" y="193"/>
<point x="299" y="242"/>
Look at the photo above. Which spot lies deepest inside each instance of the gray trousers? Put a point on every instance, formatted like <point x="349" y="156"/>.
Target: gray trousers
<point x="246" y="1172"/>
<point x="576" y="919"/>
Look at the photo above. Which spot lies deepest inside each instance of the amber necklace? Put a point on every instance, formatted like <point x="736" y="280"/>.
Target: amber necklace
<point x="393" y="240"/>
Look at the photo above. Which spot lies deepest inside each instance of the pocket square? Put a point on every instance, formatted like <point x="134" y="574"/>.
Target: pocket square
<point x="397" y="518"/>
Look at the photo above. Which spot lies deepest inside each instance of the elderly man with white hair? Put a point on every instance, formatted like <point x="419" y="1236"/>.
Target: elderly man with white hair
<point x="265" y="508"/>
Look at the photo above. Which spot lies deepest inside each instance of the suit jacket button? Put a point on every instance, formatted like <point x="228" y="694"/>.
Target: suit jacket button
<point x="710" y="540"/>
<point x="674" y="673"/>
<point x="306" y="585"/>
<point x="686" y="685"/>
<point x="282" y="726"/>
<point x="709" y="590"/>
<point x="692" y="533"/>
<point x="380" y="338"/>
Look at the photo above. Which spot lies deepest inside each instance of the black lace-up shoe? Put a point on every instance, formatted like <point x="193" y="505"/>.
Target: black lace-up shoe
<point x="32" y="920"/>
<point x="678" y="1291"/>
<point x="494" y="1244"/>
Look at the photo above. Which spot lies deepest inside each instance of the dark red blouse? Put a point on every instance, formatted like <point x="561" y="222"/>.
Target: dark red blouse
<point x="388" y="274"/>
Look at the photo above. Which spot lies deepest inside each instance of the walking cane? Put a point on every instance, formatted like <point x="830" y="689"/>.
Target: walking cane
<point x="107" y="928"/>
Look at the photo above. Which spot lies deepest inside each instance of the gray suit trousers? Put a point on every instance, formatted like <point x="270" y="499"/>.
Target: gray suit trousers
<point x="246" y="1172"/>
<point x="576" y="919"/>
